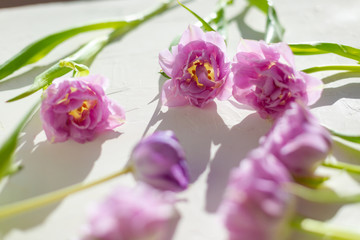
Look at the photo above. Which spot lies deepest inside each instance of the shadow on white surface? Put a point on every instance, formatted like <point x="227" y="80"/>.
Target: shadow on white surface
<point x="246" y="31"/>
<point x="48" y="167"/>
<point x="196" y="131"/>
<point x="330" y="95"/>
<point x="235" y="145"/>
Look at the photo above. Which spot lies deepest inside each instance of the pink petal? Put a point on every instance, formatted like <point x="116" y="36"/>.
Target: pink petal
<point x="117" y="115"/>
<point x="285" y="53"/>
<point x="226" y="90"/>
<point x="170" y="98"/>
<point x="249" y="46"/>
<point x="166" y="61"/>
<point x="193" y="33"/>
<point x="314" y="87"/>
<point x="216" y="39"/>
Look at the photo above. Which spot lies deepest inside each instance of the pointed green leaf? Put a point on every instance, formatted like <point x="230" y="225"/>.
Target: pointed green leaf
<point x="88" y="52"/>
<point x="164" y="75"/>
<point x="39" y="49"/>
<point x="206" y="26"/>
<point x="323" y="48"/>
<point x="274" y="32"/>
<point x="83" y="56"/>
<point x="8" y="148"/>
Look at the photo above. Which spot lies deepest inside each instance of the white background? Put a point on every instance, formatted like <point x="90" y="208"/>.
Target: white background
<point x="215" y="138"/>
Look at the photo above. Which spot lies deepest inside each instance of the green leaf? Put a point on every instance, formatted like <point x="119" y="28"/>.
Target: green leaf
<point x="260" y="4"/>
<point x="350" y="138"/>
<point x="39" y="49"/>
<point x="274" y="32"/>
<point x="83" y="56"/>
<point x="206" y="26"/>
<point x="320" y="195"/>
<point x="164" y="75"/>
<point x="88" y="52"/>
<point x="80" y="70"/>
<point x="8" y="148"/>
<point x="332" y="68"/>
<point x="322" y="230"/>
<point x="351" y="168"/>
<point x="323" y="48"/>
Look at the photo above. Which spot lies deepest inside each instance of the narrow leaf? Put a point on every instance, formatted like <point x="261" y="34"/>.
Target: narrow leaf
<point x="39" y="49"/>
<point x="206" y="26"/>
<point x="164" y="75"/>
<point x="88" y="52"/>
<point x="351" y="168"/>
<point x="260" y="4"/>
<point x="320" y="195"/>
<point x="274" y="32"/>
<point x="332" y="68"/>
<point x="323" y="47"/>
<point x="8" y="148"/>
<point x="84" y="56"/>
<point x="351" y="138"/>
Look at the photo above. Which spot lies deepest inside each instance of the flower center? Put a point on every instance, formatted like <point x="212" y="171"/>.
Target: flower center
<point x="81" y="113"/>
<point x="194" y="77"/>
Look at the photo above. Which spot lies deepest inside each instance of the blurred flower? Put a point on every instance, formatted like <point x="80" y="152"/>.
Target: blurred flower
<point x="78" y="108"/>
<point x="255" y="205"/>
<point x="198" y="69"/>
<point x="159" y="160"/>
<point x="265" y="78"/>
<point x="298" y="140"/>
<point x="142" y="213"/>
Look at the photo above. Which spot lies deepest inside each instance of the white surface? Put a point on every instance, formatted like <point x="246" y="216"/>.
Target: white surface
<point x="215" y="138"/>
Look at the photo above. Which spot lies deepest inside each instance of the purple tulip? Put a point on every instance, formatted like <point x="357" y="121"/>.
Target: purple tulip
<point x="78" y="109"/>
<point x="255" y="205"/>
<point x="159" y="161"/>
<point x="198" y="69"/>
<point x="142" y="213"/>
<point x="298" y="140"/>
<point x="265" y="78"/>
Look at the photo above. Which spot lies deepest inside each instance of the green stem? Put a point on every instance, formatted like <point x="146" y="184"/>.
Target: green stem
<point x="351" y="168"/>
<point x="322" y="229"/>
<point x="332" y="68"/>
<point x="36" y="202"/>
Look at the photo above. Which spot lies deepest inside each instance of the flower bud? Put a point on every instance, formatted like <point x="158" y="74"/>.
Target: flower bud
<point x="298" y="140"/>
<point x="255" y="205"/>
<point x="159" y="161"/>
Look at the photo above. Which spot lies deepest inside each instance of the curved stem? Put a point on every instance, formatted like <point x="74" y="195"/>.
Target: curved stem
<point x="322" y="229"/>
<point x="332" y="68"/>
<point x="36" y="202"/>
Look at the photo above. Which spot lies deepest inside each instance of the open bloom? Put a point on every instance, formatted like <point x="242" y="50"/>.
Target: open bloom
<point x="198" y="69"/>
<point x="142" y="213"/>
<point x="159" y="160"/>
<point x="78" y="108"/>
<point x="265" y="78"/>
<point x="255" y="205"/>
<point x="298" y="140"/>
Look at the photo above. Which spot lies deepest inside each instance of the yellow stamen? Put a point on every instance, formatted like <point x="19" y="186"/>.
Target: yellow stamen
<point x="192" y="71"/>
<point x="81" y="112"/>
